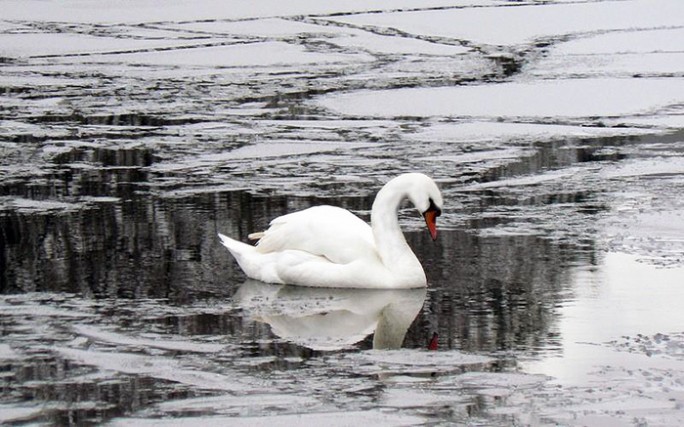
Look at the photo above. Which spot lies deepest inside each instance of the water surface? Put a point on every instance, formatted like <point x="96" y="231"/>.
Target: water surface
<point x="131" y="136"/>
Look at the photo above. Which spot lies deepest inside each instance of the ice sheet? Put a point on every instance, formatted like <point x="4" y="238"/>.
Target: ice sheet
<point x="667" y="40"/>
<point x="280" y="148"/>
<point x="155" y="366"/>
<point x="558" y="98"/>
<point x="35" y="44"/>
<point x="527" y="23"/>
<point x="188" y="10"/>
<point x="100" y="335"/>
<point x="334" y="419"/>
<point x="627" y="65"/>
<point x="476" y="132"/>
<point x="235" y="55"/>
<point x="6" y="352"/>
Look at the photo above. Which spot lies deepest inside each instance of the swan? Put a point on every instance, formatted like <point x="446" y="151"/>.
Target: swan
<point x="327" y="246"/>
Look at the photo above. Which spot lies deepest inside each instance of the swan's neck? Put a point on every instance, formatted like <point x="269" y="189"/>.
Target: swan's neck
<point x="394" y="252"/>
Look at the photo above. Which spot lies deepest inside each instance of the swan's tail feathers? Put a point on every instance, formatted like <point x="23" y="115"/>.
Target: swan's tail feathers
<point x="238" y="249"/>
<point x="254" y="264"/>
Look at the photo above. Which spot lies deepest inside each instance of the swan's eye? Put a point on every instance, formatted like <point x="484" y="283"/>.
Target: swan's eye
<point x="434" y="208"/>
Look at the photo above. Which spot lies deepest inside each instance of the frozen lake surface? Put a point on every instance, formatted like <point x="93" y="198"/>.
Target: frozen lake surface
<point x="132" y="133"/>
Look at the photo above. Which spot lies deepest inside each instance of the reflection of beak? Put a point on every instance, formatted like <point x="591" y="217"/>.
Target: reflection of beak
<point x="434" y="342"/>
<point x="430" y="216"/>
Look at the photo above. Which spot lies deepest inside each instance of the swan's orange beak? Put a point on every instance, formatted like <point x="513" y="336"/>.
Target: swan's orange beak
<point x="430" y="216"/>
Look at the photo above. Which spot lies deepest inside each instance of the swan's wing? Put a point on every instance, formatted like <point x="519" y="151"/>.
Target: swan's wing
<point x="326" y="231"/>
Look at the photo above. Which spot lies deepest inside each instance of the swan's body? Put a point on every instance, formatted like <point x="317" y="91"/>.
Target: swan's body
<point x="326" y="246"/>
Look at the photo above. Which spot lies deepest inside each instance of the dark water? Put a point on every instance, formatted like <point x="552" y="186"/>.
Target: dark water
<point x="141" y="265"/>
<point x="118" y="299"/>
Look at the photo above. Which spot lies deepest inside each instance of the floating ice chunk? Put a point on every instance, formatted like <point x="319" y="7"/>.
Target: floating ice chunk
<point x="501" y="380"/>
<point x="480" y="156"/>
<point x="334" y="419"/>
<point x="341" y="36"/>
<point x="671" y="63"/>
<point x="416" y="397"/>
<point x="396" y="44"/>
<point x="266" y="27"/>
<point x="100" y="199"/>
<point x="183" y="10"/>
<point x="675" y="121"/>
<point x="280" y="148"/>
<point x="558" y="98"/>
<point x="645" y="167"/>
<point x="17" y="413"/>
<point x="219" y="403"/>
<point x="157" y="367"/>
<point x="526" y="23"/>
<point x="506" y="132"/>
<point x="238" y="55"/>
<point x="414" y="361"/>
<point x="37" y="206"/>
<point x="637" y="41"/>
<point x="37" y="310"/>
<point x="38" y="44"/>
<point x="100" y="335"/>
<point x="553" y="175"/>
<point x="6" y="352"/>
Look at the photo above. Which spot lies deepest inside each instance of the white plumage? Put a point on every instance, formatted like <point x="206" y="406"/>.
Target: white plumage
<point x="327" y="246"/>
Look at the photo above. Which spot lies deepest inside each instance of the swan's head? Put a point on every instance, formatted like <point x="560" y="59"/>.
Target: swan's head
<point x="426" y="197"/>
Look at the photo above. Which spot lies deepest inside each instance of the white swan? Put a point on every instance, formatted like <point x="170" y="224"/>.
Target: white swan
<point x="326" y="246"/>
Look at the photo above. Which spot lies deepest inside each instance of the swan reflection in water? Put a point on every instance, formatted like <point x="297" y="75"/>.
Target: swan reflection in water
<point x="329" y="318"/>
